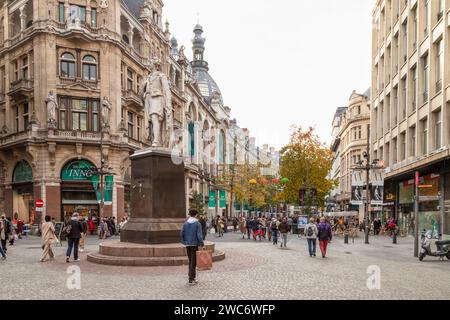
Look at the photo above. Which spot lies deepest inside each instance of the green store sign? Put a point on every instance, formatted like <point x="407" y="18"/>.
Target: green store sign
<point x="223" y="198"/>
<point x="80" y="170"/>
<point x="22" y="173"/>
<point x="212" y="198"/>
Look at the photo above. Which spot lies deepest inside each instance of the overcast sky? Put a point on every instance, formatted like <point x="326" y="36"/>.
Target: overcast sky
<point x="281" y="62"/>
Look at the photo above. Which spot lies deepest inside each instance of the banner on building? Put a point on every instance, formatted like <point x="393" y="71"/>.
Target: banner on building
<point x="212" y="199"/>
<point x="109" y="182"/>
<point x="222" y="199"/>
<point x="377" y="190"/>
<point x="358" y="183"/>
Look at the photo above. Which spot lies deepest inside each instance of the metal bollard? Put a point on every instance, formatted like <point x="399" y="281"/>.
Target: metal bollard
<point x="346" y="238"/>
<point x="394" y="238"/>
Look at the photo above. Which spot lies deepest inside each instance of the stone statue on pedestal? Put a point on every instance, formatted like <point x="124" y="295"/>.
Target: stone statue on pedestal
<point x="106" y="110"/>
<point x="158" y="105"/>
<point x="52" y="106"/>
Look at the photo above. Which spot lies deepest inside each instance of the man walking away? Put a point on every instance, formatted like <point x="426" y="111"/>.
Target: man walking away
<point x="73" y="237"/>
<point x="311" y="236"/>
<point x="274" y="228"/>
<point x="325" y="235"/>
<point x="85" y="227"/>
<point x="2" y="236"/>
<point x="249" y="225"/>
<point x="48" y="236"/>
<point x="5" y="232"/>
<point x="284" y="230"/>
<point x="192" y="238"/>
<point x="203" y="224"/>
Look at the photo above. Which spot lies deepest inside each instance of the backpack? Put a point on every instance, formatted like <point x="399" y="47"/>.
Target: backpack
<point x="323" y="233"/>
<point x="68" y="229"/>
<point x="310" y="231"/>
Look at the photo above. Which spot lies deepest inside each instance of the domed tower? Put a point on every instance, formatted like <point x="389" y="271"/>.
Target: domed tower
<point x="206" y="84"/>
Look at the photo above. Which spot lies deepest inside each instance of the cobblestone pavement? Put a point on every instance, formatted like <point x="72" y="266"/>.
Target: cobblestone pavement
<point x="252" y="270"/>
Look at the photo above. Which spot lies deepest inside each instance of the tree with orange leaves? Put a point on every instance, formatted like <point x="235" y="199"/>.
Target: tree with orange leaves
<point x="306" y="162"/>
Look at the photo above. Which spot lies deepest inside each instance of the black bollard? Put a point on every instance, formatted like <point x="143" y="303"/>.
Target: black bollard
<point x="394" y="238"/>
<point x="346" y="238"/>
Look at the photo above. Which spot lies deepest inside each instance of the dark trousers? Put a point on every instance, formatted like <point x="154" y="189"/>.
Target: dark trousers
<point x="249" y="232"/>
<point x="4" y="244"/>
<point x="312" y="246"/>
<point x="192" y="256"/>
<point x="72" y="243"/>
<point x="275" y="236"/>
<point x="2" y="252"/>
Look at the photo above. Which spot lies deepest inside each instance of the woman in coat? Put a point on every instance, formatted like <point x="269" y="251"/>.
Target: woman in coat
<point x="48" y="237"/>
<point x="242" y="226"/>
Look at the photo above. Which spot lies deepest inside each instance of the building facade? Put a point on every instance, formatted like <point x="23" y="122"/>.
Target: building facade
<point x="336" y="166"/>
<point x="410" y="119"/>
<point x="349" y="145"/>
<point x="70" y="105"/>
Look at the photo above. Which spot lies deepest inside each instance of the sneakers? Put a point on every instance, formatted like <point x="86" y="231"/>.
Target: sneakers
<point x="81" y="250"/>
<point x="193" y="282"/>
<point x="67" y="260"/>
<point x="76" y="260"/>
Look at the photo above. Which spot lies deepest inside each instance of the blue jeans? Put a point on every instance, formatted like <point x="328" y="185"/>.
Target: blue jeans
<point x="275" y="236"/>
<point x="312" y="246"/>
<point x="2" y="252"/>
<point x="72" y="243"/>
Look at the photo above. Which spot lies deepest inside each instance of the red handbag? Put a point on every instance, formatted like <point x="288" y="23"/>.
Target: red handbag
<point x="204" y="260"/>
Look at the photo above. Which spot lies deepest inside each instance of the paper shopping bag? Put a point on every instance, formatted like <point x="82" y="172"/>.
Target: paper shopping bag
<point x="204" y="260"/>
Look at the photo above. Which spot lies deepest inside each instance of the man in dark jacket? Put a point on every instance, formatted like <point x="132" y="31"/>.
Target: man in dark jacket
<point x="249" y="226"/>
<point x="192" y="238"/>
<point x="202" y="221"/>
<point x="284" y="230"/>
<point x="7" y="230"/>
<point x="73" y="237"/>
<point x="325" y="235"/>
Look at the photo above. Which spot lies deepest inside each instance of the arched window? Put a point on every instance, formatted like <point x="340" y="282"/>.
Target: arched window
<point x="68" y="65"/>
<point x="191" y="146"/>
<point x="89" y="68"/>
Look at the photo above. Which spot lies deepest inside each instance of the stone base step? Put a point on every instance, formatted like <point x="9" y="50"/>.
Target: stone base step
<point x="145" y="261"/>
<point x="126" y="249"/>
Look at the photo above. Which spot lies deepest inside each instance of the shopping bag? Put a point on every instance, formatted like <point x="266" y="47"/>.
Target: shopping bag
<point x="204" y="260"/>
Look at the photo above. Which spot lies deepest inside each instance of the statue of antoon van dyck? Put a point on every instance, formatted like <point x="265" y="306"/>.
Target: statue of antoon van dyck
<point x="158" y="105"/>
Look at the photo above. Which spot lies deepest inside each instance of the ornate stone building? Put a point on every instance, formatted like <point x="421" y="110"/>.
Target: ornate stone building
<point x="352" y="140"/>
<point x="70" y="77"/>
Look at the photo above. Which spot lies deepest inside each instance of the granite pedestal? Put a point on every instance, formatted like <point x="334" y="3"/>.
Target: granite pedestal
<point x="152" y="236"/>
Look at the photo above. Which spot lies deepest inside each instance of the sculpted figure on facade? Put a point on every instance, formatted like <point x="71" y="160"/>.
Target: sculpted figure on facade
<point x="158" y="105"/>
<point x="52" y="106"/>
<point x="106" y="112"/>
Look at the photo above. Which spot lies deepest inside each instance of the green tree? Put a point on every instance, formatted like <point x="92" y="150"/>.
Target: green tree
<point x="306" y="161"/>
<point x="198" y="203"/>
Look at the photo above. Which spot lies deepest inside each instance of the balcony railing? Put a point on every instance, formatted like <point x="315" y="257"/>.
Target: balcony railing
<point x="77" y="135"/>
<point x="20" y="136"/>
<point x="21" y="86"/>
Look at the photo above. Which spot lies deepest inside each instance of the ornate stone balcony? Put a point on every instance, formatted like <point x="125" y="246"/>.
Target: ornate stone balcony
<point x="22" y="87"/>
<point x="132" y="98"/>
